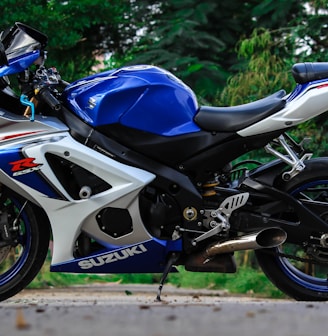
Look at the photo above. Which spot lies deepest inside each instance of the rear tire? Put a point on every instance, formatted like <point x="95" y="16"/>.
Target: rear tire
<point x="19" y="264"/>
<point x="299" y="279"/>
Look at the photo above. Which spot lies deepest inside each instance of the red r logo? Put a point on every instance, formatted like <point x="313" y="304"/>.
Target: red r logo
<point x="23" y="164"/>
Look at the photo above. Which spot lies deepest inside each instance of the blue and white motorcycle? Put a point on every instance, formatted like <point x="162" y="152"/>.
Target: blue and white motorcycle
<point x="127" y="174"/>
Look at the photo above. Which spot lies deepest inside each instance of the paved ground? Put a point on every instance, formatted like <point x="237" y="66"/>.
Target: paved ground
<point x="132" y="310"/>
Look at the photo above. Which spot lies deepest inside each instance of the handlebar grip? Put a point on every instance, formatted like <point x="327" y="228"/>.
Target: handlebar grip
<point x="49" y="99"/>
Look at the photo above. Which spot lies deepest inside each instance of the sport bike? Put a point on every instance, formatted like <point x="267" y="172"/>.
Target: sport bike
<point x="124" y="172"/>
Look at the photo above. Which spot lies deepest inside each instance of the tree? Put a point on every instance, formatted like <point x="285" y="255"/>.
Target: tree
<point x="267" y="70"/>
<point x="77" y="29"/>
<point x="193" y="38"/>
<point x="197" y="39"/>
<point x="312" y="32"/>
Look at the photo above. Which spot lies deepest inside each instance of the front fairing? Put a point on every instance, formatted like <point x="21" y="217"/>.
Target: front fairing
<point x="19" y="64"/>
<point x="21" y="46"/>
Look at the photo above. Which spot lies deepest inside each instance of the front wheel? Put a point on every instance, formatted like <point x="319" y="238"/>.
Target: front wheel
<point x="301" y="270"/>
<point x="24" y="242"/>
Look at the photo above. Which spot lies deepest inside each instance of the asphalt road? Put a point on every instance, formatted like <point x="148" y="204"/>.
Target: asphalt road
<point x="132" y="310"/>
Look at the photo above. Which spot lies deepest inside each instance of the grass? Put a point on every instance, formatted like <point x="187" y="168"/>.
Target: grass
<point x="247" y="280"/>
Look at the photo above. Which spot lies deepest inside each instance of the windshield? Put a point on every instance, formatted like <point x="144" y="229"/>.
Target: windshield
<point x="22" y="39"/>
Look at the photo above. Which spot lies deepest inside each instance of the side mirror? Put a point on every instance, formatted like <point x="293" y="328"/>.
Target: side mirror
<point x="3" y="56"/>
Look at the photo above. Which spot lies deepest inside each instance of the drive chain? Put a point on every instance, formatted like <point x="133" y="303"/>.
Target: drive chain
<point x="306" y="260"/>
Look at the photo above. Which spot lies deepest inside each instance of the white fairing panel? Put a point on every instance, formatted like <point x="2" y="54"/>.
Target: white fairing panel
<point x="69" y="217"/>
<point x="14" y="127"/>
<point x="313" y="102"/>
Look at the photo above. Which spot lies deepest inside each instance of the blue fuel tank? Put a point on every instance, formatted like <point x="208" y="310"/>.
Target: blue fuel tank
<point x="142" y="97"/>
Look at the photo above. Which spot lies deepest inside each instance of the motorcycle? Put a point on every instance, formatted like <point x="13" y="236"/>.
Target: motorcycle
<point x="125" y="173"/>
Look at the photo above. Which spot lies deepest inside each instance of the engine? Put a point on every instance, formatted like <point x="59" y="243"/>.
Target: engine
<point x="159" y="212"/>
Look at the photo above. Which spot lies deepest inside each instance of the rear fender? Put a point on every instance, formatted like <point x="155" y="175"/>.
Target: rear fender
<point x="268" y="173"/>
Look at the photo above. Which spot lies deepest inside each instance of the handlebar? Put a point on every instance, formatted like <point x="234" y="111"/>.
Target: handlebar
<point x="49" y="99"/>
<point x="43" y="85"/>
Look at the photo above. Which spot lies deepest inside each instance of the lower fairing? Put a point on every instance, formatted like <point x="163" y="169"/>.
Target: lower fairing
<point x="144" y="257"/>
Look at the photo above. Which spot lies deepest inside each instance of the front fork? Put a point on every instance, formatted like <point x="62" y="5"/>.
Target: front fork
<point x="9" y="226"/>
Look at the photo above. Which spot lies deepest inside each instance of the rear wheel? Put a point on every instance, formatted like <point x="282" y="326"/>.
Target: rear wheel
<point x="300" y="270"/>
<point x="24" y="242"/>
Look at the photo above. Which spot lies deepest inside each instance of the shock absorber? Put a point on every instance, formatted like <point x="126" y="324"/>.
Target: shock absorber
<point x="208" y="188"/>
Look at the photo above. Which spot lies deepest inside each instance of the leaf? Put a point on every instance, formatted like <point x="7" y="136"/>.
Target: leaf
<point x="195" y="67"/>
<point x="21" y="323"/>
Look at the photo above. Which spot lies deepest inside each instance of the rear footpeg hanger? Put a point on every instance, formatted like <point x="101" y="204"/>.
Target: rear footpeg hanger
<point x="222" y="214"/>
<point x="291" y="159"/>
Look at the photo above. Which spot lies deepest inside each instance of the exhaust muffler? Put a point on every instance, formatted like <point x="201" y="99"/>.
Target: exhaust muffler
<point x="265" y="238"/>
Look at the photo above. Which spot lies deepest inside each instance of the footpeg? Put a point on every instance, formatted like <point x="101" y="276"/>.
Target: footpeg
<point x="291" y="159"/>
<point x="231" y="203"/>
<point x="221" y="215"/>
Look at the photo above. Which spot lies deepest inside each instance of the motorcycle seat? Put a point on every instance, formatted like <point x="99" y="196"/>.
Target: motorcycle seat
<point x="307" y="72"/>
<point x="235" y="118"/>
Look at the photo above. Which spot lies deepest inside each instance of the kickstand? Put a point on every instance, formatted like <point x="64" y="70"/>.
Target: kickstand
<point x="173" y="258"/>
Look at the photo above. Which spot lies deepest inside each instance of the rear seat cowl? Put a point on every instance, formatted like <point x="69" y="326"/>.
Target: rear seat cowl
<point x="307" y="72"/>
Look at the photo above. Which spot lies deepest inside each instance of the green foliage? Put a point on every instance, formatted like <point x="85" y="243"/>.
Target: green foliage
<point x="312" y="31"/>
<point x="197" y="39"/>
<point x="77" y="29"/>
<point x="265" y="73"/>
<point x="194" y="39"/>
<point x="179" y="41"/>
<point x="247" y="280"/>
<point x="274" y="14"/>
<point x="316" y="130"/>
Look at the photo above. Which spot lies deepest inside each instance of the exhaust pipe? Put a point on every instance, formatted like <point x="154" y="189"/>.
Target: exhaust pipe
<point x="266" y="238"/>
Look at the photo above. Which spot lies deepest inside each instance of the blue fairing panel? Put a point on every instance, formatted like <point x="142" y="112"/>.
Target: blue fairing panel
<point x="146" y="98"/>
<point x="19" y="64"/>
<point x="144" y="257"/>
<point x="26" y="171"/>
